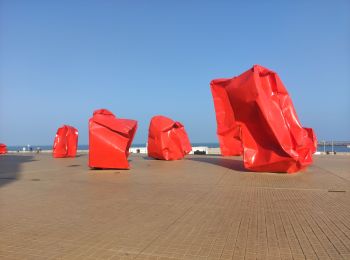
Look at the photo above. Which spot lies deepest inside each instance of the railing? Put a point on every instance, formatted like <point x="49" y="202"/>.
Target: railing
<point x="333" y="146"/>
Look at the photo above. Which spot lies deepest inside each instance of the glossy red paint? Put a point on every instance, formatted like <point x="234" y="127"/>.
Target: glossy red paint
<point x="167" y="139"/>
<point x="66" y="142"/>
<point x="256" y="117"/>
<point x="109" y="140"/>
<point x="3" y="149"/>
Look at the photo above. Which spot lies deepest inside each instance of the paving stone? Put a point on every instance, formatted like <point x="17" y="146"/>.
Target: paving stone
<point x="202" y="207"/>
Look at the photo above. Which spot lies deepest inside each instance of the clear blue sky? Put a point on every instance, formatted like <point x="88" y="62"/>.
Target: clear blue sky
<point x="60" y="60"/>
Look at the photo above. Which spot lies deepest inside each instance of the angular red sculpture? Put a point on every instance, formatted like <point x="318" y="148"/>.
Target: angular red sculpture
<point x="167" y="139"/>
<point x="109" y="140"/>
<point x="66" y="142"/>
<point x="255" y="116"/>
<point x="313" y="137"/>
<point x="3" y="149"/>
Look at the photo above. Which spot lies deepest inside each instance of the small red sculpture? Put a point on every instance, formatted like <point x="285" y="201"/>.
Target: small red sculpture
<point x="255" y="116"/>
<point x="3" y="149"/>
<point x="109" y="140"/>
<point x="167" y="139"/>
<point x="66" y="142"/>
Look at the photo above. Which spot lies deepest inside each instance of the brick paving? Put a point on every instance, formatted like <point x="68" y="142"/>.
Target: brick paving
<point x="203" y="207"/>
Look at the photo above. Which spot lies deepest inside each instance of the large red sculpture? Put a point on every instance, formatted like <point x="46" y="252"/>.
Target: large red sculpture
<point x="167" y="139"/>
<point x="3" y="148"/>
<point x="66" y="142"/>
<point x="109" y="140"/>
<point x="255" y="116"/>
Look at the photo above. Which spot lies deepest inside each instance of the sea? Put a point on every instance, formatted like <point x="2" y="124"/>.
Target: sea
<point x="320" y="148"/>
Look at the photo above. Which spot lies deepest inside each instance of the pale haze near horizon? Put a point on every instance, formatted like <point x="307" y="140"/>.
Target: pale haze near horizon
<point x="59" y="61"/>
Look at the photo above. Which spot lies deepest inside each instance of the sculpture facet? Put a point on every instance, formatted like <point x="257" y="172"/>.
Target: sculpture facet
<point x="255" y="115"/>
<point x="66" y="142"/>
<point x="3" y="149"/>
<point x="167" y="139"/>
<point x="109" y="140"/>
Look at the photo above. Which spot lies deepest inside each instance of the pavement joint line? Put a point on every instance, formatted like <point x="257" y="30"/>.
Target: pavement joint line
<point x="332" y="173"/>
<point x="36" y="171"/>
<point x="179" y="217"/>
<point x="289" y="189"/>
<point x="302" y="216"/>
<point x="312" y="218"/>
<point x="324" y="217"/>
<point x="296" y="233"/>
<point x="177" y="210"/>
<point x="165" y="229"/>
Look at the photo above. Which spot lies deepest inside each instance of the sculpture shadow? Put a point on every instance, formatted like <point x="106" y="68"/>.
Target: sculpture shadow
<point x="147" y="158"/>
<point x="10" y="167"/>
<point x="229" y="163"/>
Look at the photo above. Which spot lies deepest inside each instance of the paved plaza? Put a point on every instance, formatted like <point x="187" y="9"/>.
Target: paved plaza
<point x="202" y="207"/>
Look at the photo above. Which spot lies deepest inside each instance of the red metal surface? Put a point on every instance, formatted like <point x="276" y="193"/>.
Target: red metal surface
<point x="255" y="116"/>
<point x="3" y="148"/>
<point x="109" y="140"/>
<point x="66" y="142"/>
<point x="312" y="136"/>
<point x="167" y="139"/>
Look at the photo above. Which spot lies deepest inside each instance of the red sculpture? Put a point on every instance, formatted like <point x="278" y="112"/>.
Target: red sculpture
<point x="167" y="139"/>
<point x="3" y="149"/>
<point x="66" y="142"/>
<point x="313" y="137"/>
<point x="255" y="116"/>
<point x="109" y="140"/>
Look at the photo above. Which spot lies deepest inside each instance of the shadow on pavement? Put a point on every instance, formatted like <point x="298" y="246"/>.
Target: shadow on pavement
<point x="10" y="166"/>
<point x="230" y="163"/>
<point x="147" y="158"/>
